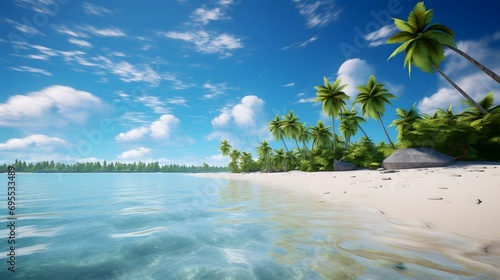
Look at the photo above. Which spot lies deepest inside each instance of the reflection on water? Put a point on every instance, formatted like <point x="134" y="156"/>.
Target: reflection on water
<point x="170" y="226"/>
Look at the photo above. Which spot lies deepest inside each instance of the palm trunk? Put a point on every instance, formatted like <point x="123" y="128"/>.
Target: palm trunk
<point x="386" y="134"/>
<point x="286" y="148"/>
<point x="298" y="148"/>
<point x="369" y="142"/>
<point x="477" y="64"/>
<point x="461" y="91"/>
<point x="333" y="132"/>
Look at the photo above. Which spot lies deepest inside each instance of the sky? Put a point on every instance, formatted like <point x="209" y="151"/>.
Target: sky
<point x="168" y="80"/>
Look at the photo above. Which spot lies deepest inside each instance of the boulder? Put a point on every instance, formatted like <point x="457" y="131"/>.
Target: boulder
<point x="343" y="166"/>
<point x="416" y="158"/>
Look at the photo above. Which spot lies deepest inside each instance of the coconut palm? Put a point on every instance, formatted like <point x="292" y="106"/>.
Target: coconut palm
<point x="225" y="148"/>
<point x="373" y="97"/>
<point x="291" y="126"/>
<point x="304" y="137"/>
<point x="353" y="115"/>
<point x="233" y="164"/>
<point x="472" y="114"/>
<point x="348" y="127"/>
<point x="405" y="121"/>
<point x="264" y="152"/>
<point x="447" y="114"/>
<point x="333" y="100"/>
<point x="279" y="160"/>
<point x="277" y="132"/>
<point x="423" y="43"/>
<point x="320" y="134"/>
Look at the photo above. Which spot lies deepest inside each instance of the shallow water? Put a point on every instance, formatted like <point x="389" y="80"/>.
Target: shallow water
<point x="173" y="226"/>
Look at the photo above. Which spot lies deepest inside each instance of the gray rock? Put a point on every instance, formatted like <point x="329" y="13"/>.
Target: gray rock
<point x="416" y="158"/>
<point x="343" y="166"/>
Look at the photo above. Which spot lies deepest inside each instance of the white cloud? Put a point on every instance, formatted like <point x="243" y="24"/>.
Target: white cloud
<point x="36" y="141"/>
<point x="378" y="37"/>
<point x="318" y="13"/>
<point x="301" y="44"/>
<point x="178" y="100"/>
<point x="159" y="129"/>
<point x="135" y="154"/>
<point x="65" y="30"/>
<point x="53" y="106"/>
<point x="243" y="114"/>
<point x="84" y="31"/>
<point x="354" y="72"/>
<point x="154" y="103"/>
<point x="80" y="43"/>
<point x="28" y="31"/>
<point x="95" y="10"/>
<point x="216" y="89"/>
<point x="48" y="7"/>
<point x="306" y="100"/>
<point x="204" y="16"/>
<point x="31" y="70"/>
<point x="208" y="43"/>
<point x="289" y="85"/>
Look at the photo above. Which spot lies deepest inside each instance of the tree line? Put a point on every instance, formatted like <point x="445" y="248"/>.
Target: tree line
<point x="105" y="167"/>
<point x="473" y="134"/>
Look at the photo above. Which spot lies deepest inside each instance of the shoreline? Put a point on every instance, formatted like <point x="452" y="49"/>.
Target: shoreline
<point x="462" y="198"/>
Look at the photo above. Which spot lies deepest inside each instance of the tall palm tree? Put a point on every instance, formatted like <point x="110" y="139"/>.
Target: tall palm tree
<point x="373" y="97"/>
<point x="225" y="148"/>
<point x="291" y="126"/>
<point x="233" y="164"/>
<point x="264" y="152"/>
<point x="423" y="43"/>
<point x="277" y="132"/>
<point x="353" y="115"/>
<point x="348" y="127"/>
<point x="320" y="134"/>
<point x="279" y="160"/>
<point x="333" y="99"/>
<point x="405" y="121"/>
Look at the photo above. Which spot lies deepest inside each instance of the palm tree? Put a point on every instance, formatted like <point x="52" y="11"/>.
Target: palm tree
<point x="304" y="137"/>
<point x="277" y="132"/>
<point x="291" y="126"/>
<point x="353" y="115"/>
<point x="348" y="127"/>
<point x="225" y="148"/>
<point x="233" y="164"/>
<point x="333" y="99"/>
<point x="320" y="134"/>
<point x="447" y="114"/>
<point x="424" y="43"/>
<point x="373" y="97"/>
<point x="264" y="152"/>
<point x="279" y="160"/>
<point x="472" y="114"/>
<point x="405" y="121"/>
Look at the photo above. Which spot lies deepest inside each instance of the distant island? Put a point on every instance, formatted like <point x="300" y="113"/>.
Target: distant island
<point x="108" y="167"/>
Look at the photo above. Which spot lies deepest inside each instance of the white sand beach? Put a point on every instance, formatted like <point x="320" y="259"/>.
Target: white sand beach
<point x="463" y="198"/>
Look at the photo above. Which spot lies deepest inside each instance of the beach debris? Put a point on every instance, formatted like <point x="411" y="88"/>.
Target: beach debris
<point x="380" y="169"/>
<point x="479" y="201"/>
<point x="380" y="186"/>
<point x="443" y="188"/>
<point x="345" y="192"/>
<point x="382" y="212"/>
<point x="386" y="178"/>
<point x="435" y="198"/>
<point x="476" y="170"/>
<point x="389" y="171"/>
<point x="353" y="176"/>
<point x="456" y="175"/>
<point x="400" y="266"/>
<point x="326" y="193"/>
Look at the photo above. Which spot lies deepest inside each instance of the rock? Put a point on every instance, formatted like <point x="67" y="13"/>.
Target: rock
<point x="389" y="171"/>
<point x="343" y="166"/>
<point x="416" y="158"/>
<point x="386" y="178"/>
<point x="380" y="169"/>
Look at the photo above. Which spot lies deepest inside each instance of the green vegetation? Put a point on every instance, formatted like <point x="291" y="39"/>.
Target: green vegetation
<point x="473" y="134"/>
<point x="111" y="167"/>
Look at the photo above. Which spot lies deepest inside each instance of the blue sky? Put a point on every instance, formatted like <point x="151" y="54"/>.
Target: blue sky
<point x="168" y="80"/>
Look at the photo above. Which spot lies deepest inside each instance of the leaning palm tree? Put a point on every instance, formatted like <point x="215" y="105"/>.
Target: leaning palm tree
<point x="291" y="126"/>
<point x="353" y="115"/>
<point x="277" y="132"/>
<point x="373" y="97"/>
<point x="405" y="121"/>
<point x="264" y="152"/>
<point x="320" y="134"/>
<point x="423" y="43"/>
<point x="333" y="99"/>
<point x="225" y="148"/>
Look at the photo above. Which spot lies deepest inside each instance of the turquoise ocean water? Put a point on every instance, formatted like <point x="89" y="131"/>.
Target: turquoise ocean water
<point x="175" y="226"/>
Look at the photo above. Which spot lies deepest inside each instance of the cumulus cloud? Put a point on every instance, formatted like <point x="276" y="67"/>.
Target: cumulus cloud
<point x="159" y="129"/>
<point x="354" y="72"/>
<point x="53" y="106"/>
<point x="243" y="114"/>
<point x="36" y="141"/>
<point x="135" y="154"/>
